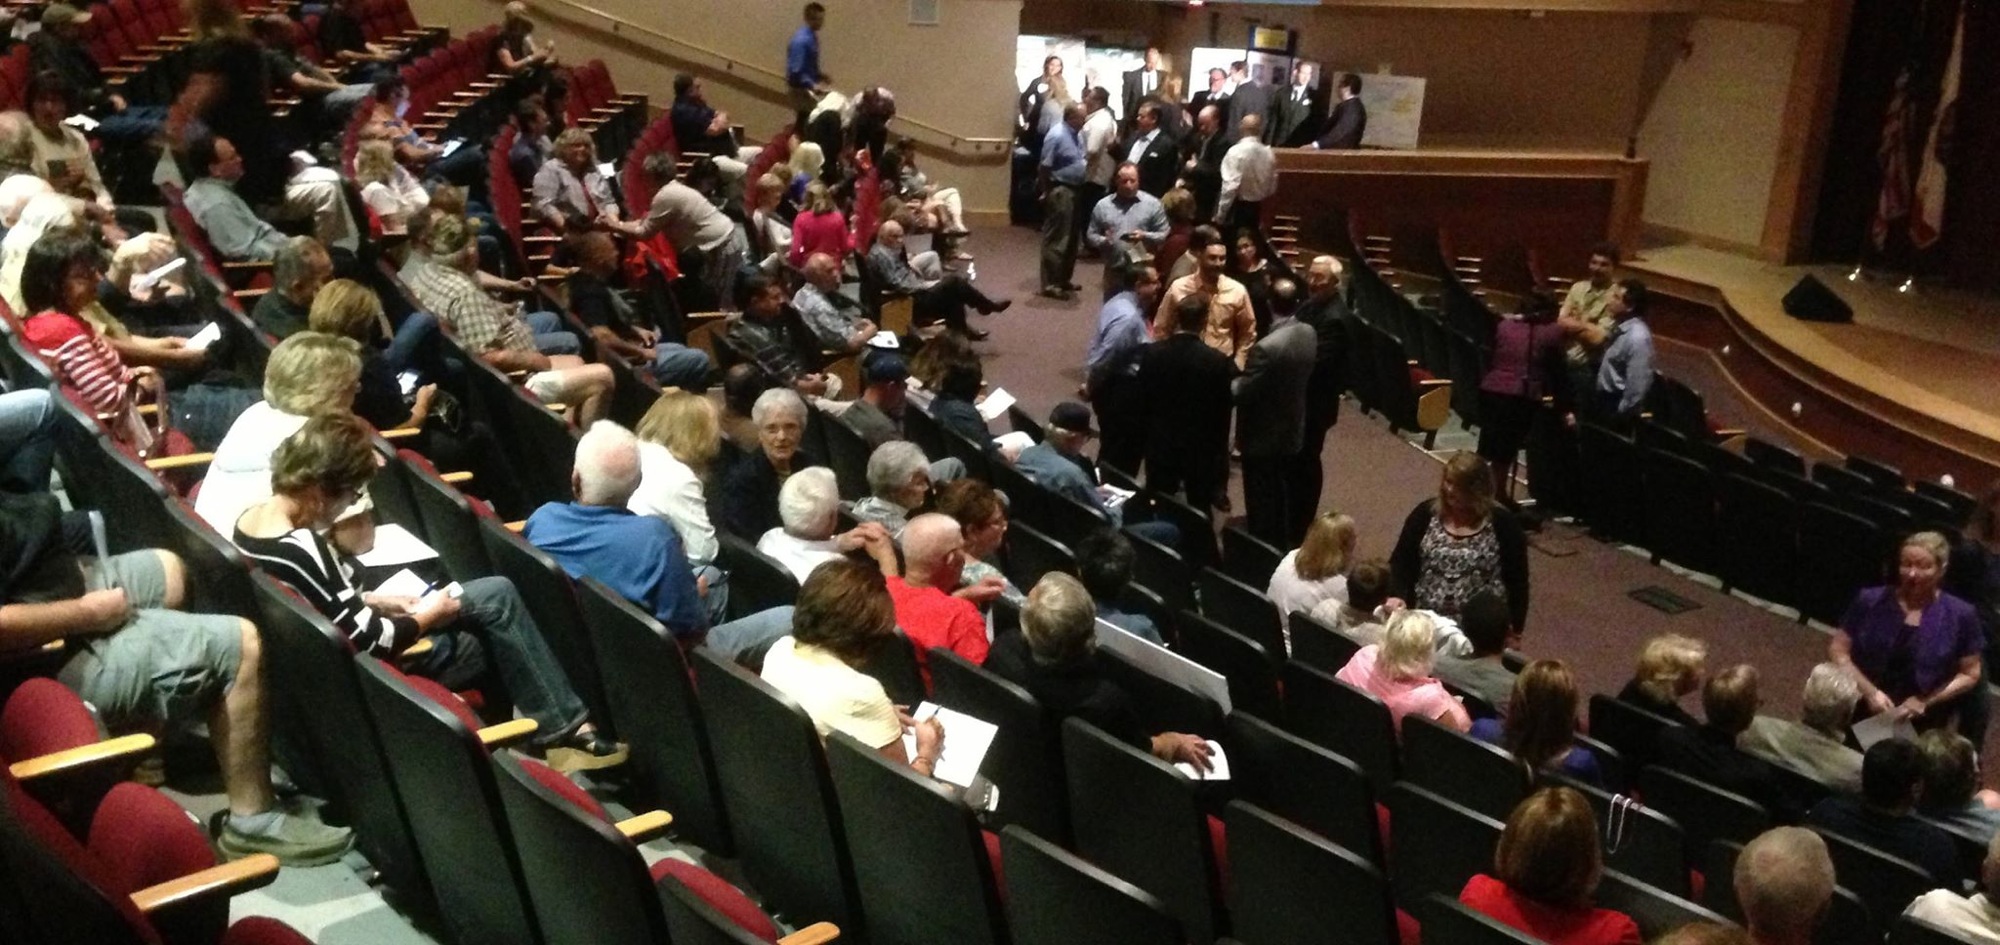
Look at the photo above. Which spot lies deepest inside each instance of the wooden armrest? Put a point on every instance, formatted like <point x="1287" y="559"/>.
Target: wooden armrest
<point x="506" y="733"/>
<point x="1435" y="382"/>
<point x="1729" y="433"/>
<point x="517" y="376"/>
<point x="540" y="238"/>
<point x="122" y="70"/>
<point x="463" y="475"/>
<point x="422" y="646"/>
<point x="628" y="100"/>
<point x="183" y="461"/>
<point x="484" y="86"/>
<point x="249" y="295"/>
<point x="57" y="763"/>
<point x="643" y="827"/>
<point x="497" y="77"/>
<point x="606" y="111"/>
<point x="251" y="872"/>
<point x="817" y="933"/>
<point x="245" y="265"/>
<point x="516" y="526"/>
<point x="401" y="433"/>
<point x="429" y="126"/>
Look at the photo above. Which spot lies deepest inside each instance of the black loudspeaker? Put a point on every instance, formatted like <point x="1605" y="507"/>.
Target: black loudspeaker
<point x="1812" y="301"/>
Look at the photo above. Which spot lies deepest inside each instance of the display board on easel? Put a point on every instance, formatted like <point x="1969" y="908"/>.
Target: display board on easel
<point x="1395" y="110"/>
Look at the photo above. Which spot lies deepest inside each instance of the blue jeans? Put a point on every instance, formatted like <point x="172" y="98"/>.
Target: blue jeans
<point x="493" y="614"/>
<point x="681" y="366"/>
<point x="1163" y="532"/>
<point x="27" y="440"/>
<point x="741" y="636"/>
<point x="551" y="335"/>
<point x="716" y="601"/>
<point x="135" y="123"/>
<point x="418" y="330"/>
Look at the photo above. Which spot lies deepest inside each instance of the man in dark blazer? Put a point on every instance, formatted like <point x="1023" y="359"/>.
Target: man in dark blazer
<point x="1153" y="150"/>
<point x="1216" y="94"/>
<point x="1184" y="385"/>
<point x="1296" y="116"/>
<point x="1271" y="415"/>
<point x="1203" y="166"/>
<point x="1349" y="119"/>
<point x="1251" y="97"/>
<point x="1326" y="313"/>
<point x="1141" y="84"/>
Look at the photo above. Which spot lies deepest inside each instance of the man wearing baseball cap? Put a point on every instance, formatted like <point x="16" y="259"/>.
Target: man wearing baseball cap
<point x="1058" y="465"/>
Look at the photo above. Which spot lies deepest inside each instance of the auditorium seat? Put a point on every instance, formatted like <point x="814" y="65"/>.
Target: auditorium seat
<point x="1025" y="758"/>
<point x="1705" y="812"/>
<point x="650" y="689"/>
<point x="1140" y="819"/>
<point x="1057" y="898"/>
<point x="451" y="524"/>
<point x="847" y="455"/>
<point x="1610" y="506"/>
<point x="1656" y="910"/>
<point x="1031" y="554"/>
<point x="1162" y="570"/>
<point x="1163" y="705"/>
<point x="1342" y="719"/>
<point x="1847" y="920"/>
<point x="1910" y="930"/>
<point x="1248" y="665"/>
<point x="1320" y="646"/>
<point x="49" y="741"/>
<point x="892" y="661"/>
<point x="437" y="750"/>
<point x="1446" y="921"/>
<point x="1771" y="455"/>
<point x="921" y="428"/>
<point x="1961" y="504"/>
<point x="1639" y="841"/>
<point x="1436" y="845"/>
<point x="1632" y="730"/>
<point x="1483" y="777"/>
<point x="1839" y="552"/>
<point x="757" y="582"/>
<point x="1249" y="559"/>
<point x="1304" y="783"/>
<point x="1886" y="884"/>
<point x="1884" y="476"/>
<point x="920" y="860"/>
<point x="1241" y="607"/>
<point x="1679" y="510"/>
<point x="1287" y="885"/>
<point x="1063" y="518"/>
<point x="551" y="600"/>
<point x="1757" y="539"/>
<point x="783" y="812"/>
<point x="1197" y="545"/>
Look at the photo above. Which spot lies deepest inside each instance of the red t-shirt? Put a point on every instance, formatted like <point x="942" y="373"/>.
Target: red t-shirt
<point x="1552" y="924"/>
<point x="933" y="618"/>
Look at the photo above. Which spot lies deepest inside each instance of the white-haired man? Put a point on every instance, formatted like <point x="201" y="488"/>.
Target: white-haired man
<point x="1816" y="744"/>
<point x="899" y="480"/>
<point x="1784" y="882"/>
<point x="809" y="505"/>
<point x="638" y="556"/>
<point x="1971" y="918"/>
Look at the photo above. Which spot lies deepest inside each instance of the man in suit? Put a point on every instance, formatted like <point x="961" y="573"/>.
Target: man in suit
<point x="1216" y="94"/>
<point x="1141" y="84"/>
<point x="1184" y="384"/>
<point x="1203" y="168"/>
<point x="1153" y="151"/>
<point x="1295" y="119"/>
<point x="1271" y="415"/>
<point x="1349" y="119"/>
<point x="1250" y="97"/>
<point x="1326" y="313"/>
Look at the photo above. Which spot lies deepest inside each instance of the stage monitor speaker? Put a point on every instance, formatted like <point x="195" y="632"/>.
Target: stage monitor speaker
<point x="1812" y="301"/>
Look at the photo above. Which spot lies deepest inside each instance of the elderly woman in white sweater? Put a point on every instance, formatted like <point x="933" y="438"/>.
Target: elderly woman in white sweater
<point x="679" y="437"/>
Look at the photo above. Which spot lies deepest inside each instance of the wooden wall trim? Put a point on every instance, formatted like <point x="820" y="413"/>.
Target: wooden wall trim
<point x="1802" y="133"/>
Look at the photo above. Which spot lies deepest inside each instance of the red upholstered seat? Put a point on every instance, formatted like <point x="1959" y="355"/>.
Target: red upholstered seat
<point x="718" y="893"/>
<point x="1218" y="842"/>
<point x="993" y="856"/>
<point x="41" y="717"/>
<point x="263" y="930"/>
<point x="1408" y="932"/>
<point x="142" y="838"/>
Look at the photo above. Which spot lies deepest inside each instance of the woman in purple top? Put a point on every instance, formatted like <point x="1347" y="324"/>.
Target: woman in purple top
<point x="1914" y="649"/>
<point x="1526" y="346"/>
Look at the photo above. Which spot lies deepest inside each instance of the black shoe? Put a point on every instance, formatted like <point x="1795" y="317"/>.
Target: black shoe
<point x="998" y="307"/>
<point x="977" y="334"/>
<point x="1073" y="287"/>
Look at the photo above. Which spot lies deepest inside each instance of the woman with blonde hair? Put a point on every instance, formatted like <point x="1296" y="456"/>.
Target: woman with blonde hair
<point x="518" y="55"/>
<point x="1460" y="543"/>
<point x="1540" y="725"/>
<point x="770" y="235"/>
<point x="1545" y="871"/>
<point x="308" y="374"/>
<point x="391" y="192"/>
<point x="1914" y="648"/>
<point x="1398" y="671"/>
<point x="819" y="228"/>
<point x="1670" y="667"/>
<point x="42" y="214"/>
<point x="679" y="439"/>
<point x="1316" y="571"/>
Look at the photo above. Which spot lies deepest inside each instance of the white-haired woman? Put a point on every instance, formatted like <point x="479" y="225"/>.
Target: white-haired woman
<point x="308" y="374"/>
<point x="1398" y="671"/>
<point x="745" y="501"/>
<point x="391" y="192"/>
<point x="809" y="505"/>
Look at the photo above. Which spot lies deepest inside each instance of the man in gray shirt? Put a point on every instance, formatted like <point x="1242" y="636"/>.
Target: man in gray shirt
<point x="820" y="303"/>
<point x="1125" y="227"/>
<point x="1815" y="745"/>
<point x="1487" y="625"/>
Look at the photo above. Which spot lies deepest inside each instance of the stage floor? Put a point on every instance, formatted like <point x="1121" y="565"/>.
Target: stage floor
<point x="1932" y="351"/>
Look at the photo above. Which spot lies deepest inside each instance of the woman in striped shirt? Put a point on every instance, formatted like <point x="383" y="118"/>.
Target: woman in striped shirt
<point x="315" y="519"/>
<point x="58" y="280"/>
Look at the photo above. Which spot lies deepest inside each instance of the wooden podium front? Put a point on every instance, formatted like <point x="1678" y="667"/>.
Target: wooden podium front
<point x="1559" y="203"/>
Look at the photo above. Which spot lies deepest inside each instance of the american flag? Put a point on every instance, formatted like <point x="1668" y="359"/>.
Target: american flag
<point x="1927" y="218"/>
<point x="1893" y="157"/>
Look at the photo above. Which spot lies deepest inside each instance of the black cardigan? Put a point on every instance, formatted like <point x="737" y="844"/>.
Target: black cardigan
<point x="1407" y="561"/>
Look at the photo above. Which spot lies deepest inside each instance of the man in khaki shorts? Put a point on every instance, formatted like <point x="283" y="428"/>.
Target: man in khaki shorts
<point x="144" y="664"/>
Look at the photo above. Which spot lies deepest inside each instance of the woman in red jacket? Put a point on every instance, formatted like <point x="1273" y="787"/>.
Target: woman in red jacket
<point x="1546" y="868"/>
<point x="58" y="281"/>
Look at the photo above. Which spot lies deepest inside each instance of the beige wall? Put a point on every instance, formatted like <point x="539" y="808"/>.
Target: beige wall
<point x="942" y="75"/>
<point x="1712" y="132"/>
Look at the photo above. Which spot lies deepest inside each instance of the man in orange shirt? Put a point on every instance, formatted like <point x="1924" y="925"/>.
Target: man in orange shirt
<point x="1232" y="326"/>
<point x="933" y="558"/>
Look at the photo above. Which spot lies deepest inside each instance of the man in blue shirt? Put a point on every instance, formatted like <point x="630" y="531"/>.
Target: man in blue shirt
<point x="1059" y="176"/>
<point x="1625" y="372"/>
<point x="802" y="71"/>
<point x="1125" y="227"/>
<point x="1111" y="367"/>
<point x="1058" y="465"/>
<point x="638" y="556"/>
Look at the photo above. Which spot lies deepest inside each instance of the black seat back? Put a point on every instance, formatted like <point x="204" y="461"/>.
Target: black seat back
<point x="1304" y="783"/>
<point x="783" y="812"/>
<point x="1656" y="910"/>
<point x="923" y="430"/>
<point x="1351" y="723"/>
<point x="1885" y="883"/>
<point x="1638" y="841"/>
<point x="1320" y="646"/>
<point x="1757" y="537"/>
<point x="1246" y="663"/>
<point x="1241" y="607"/>
<point x="1446" y="921"/>
<point x="1197" y="545"/>
<point x="1248" y="558"/>
<point x="1025" y="759"/>
<point x="586" y="880"/>
<point x="1137" y="817"/>
<point x="450" y="526"/>
<point x="467" y="848"/>
<point x="1910" y="930"/>
<point x="650" y="689"/>
<point x="1767" y="453"/>
<point x="551" y="600"/>
<point x="892" y="661"/>
<point x="1838" y="552"/>
<point x="1031" y="554"/>
<point x="1436" y="846"/>
<point x="1483" y="777"/>
<point x="312" y="666"/>
<point x="847" y="453"/>
<point x="1164" y="705"/>
<point x="756" y="581"/>
<point x="901" y="824"/>
<point x="1613" y="461"/>
<point x="1704" y="811"/>
<point x="1632" y="730"/>
<point x="1847" y="920"/>
<point x="1163" y="571"/>
<point x="1288" y="884"/>
<point x="1057" y="898"/>
<point x="1679" y="510"/>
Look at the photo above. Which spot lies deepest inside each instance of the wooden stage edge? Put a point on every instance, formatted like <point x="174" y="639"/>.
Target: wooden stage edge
<point x="1864" y="389"/>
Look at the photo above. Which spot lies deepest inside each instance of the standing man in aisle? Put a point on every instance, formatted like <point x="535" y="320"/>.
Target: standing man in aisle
<point x="1249" y="176"/>
<point x="1625" y="369"/>
<point x="1143" y="83"/>
<point x="1111" y="371"/>
<point x="1125" y="228"/>
<point x="1184" y="385"/>
<point x="1349" y="120"/>
<point x="1100" y="152"/>
<point x="802" y="72"/>
<point x="1296" y="116"/>
<point x="1271" y="415"/>
<point x="1061" y="174"/>
<point x="1326" y="313"/>
<point x="1153" y="151"/>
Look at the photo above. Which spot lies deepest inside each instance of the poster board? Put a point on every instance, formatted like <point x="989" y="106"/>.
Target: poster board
<point x="1106" y="66"/>
<point x="1203" y="58"/>
<point x="1395" y="110"/>
<point x="1029" y="51"/>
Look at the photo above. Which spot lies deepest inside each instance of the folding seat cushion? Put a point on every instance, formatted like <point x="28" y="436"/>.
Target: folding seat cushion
<point x="263" y="930"/>
<point x="42" y="717"/>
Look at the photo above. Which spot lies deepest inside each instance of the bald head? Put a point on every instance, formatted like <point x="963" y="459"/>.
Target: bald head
<point x="1252" y="126"/>
<point x="1208" y="119"/>
<point x="932" y="551"/>
<point x="1784" y="881"/>
<point x="890" y="234"/>
<point x="822" y="271"/>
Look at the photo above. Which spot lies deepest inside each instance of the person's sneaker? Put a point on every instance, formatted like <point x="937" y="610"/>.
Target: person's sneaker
<point x="1053" y="292"/>
<point x="151" y="771"/>
<point x="586" y="753"/>
<point x="296" y="839"/>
